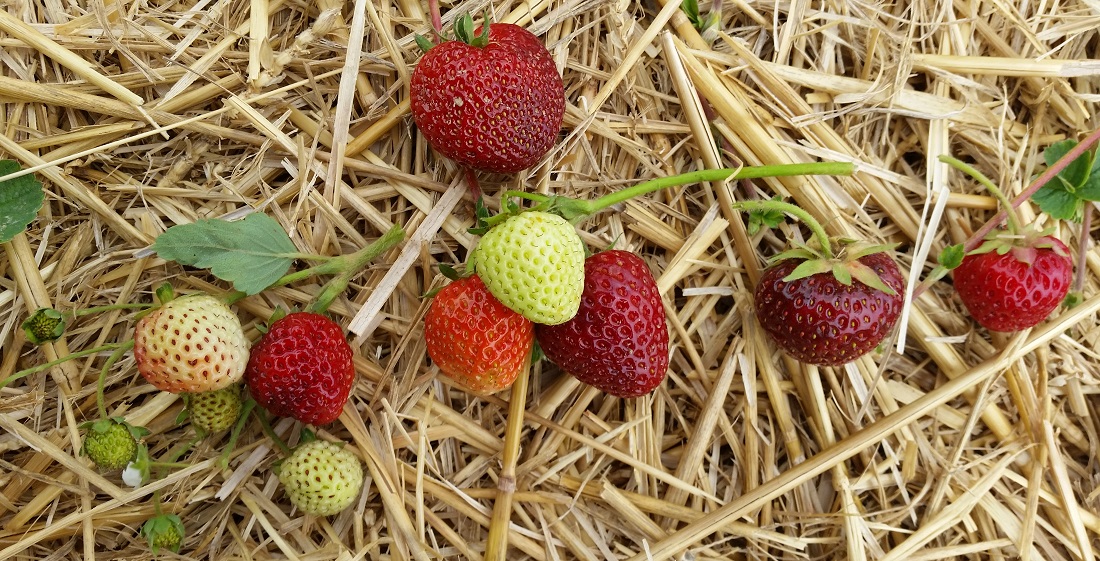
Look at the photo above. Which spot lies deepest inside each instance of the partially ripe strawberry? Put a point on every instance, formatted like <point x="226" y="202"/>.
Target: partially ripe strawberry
<point x="302" y="368"/>
<point x="533" y="262"/>
<point x="492" y="103"/>
<point x="215" y="411"/>
<point x="321" y="478"/>
<point x="1013" y="284"/>
<point x="474" y="339"/>
<point x="818" y="319"/>
<point x="618" y="341"/>
<point x="191" y="344"/>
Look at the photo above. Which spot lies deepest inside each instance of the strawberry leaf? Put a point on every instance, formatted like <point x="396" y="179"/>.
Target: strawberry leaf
<point x="20" y="199"/>
<point x="762" y="218"/>
<point x="1064" y="198"/>
<point x="952" y="256"/>
<point x="251" y="253"/>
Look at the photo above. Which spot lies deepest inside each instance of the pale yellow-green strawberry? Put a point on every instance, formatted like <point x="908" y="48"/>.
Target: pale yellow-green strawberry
<point x="191" y="344"/>
<point x="533" y="263"/>
<point x="321" y="478"/>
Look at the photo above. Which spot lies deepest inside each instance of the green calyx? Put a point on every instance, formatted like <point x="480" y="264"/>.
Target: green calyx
<point x="821" y="258"/>
<point x="164" y="531"/>
<point x="44" y="325"/>
<point x="464" y="31"/>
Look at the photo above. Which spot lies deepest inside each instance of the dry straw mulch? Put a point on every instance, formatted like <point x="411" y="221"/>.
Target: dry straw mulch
<point x="142" y="114"/>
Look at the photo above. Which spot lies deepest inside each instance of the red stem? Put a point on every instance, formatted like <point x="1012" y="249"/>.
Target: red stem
<point x="1044" y="178"/>
<point x="437" y="20"/>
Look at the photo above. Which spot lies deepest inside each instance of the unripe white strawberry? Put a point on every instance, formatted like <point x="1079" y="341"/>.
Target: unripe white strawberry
<point x="191" y="344"/>
<point x="321" y="478"/>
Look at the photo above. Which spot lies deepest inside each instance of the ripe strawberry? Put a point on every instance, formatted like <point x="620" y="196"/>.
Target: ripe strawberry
<point x="533" y="262"/>
<point x="302" y="368"/>
<point x="111" y="443"/>
<point x="474" y="339"/>
<point x="493" y="102"/>
<point x="321" y="478"/>
<point x="1013" y="284"/>
<point x="191" y="344"/>
<point x="818" y="319"/>
<point x="618" y="341"/>
<point x="216" y="411"/>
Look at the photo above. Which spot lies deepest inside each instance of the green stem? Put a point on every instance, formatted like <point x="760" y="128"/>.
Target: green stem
<point x="102" y="382"/>
<point x="86" y="352"/>
<point x="348" y="266"/>
<point x="1010" y="212"/>
<point x="112" y="307"/>
<point x="576" y="210"/>
<point x="345" y="266"/>
<point x="779" y="206"/>
<point x="270" y="432"/>
<point x="246" y="409"/>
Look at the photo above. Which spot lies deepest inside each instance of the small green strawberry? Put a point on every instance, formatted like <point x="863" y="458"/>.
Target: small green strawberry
<point x="321" y="478"/>
<point x="111" y="443"/>
<point x="44" y="325"/>
<point x="164" y="531"/>
<point x="533" y="262"/>
<point x="215" y="411"/>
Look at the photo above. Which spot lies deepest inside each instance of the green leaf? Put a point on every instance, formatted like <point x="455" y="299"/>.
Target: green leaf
<point x="20" y="199"/>
<point x="251" y="253"/>
<point x="1077" y="172"/>
<point x="1090" y="191"/>
<point x="869" y="277"/>
<point x="1056" y="201"/>
<point x="809" y="268"/>
<point x="765" y="219"/>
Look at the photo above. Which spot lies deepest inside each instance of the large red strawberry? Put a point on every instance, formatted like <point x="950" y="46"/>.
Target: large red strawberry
<point x="618" y="340"/>
<point x="1016" y="283"/>
<point x="493" y="102"/>
<point x="824" y="307"/>
<point x="474" y="339"/>
<point x="302" y="368"/>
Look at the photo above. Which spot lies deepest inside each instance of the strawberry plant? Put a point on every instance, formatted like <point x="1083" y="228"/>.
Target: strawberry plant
<point x="321" y="478"/>
<point x="491" y="99"/>
<point x="474" y="339"/>
<point x="163" y="531"/>
<point x="618" y="340"/>
<point x="1018" y="275"/>
<point x="824" y="306"/>
<point x="302" y="368"/>
<point x="111" y="443"/>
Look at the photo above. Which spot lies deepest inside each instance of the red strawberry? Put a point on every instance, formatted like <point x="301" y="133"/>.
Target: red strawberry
<point x="618" y="341"/>
<point x="823" y="307"/>
<point x="1014" y="287"/>
<point x="302" y="368"/>
<point x="493" y="103"/>
<point x="474" y="339"/>
<point x="820" y="320"/>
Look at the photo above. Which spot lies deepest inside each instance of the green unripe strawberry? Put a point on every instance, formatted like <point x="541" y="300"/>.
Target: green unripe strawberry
<point x="215" y="411"/>
<point x="533" y="263"/>
<point x="321" y="478"/>
<point x="164" y="531"/>
<point x="109" y="443"/>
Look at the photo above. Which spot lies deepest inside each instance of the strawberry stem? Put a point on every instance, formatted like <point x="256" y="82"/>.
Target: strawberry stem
<point x="246" y="410"/>
<point x="576" y="210"/>
<point x="261" y="414"/>
<point x="779" y="206"/>
<point x="102" y="382"/>
<point x="47" y="365"/>
<point x="1010" y="211"/>
<point x="347" y="266"/>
